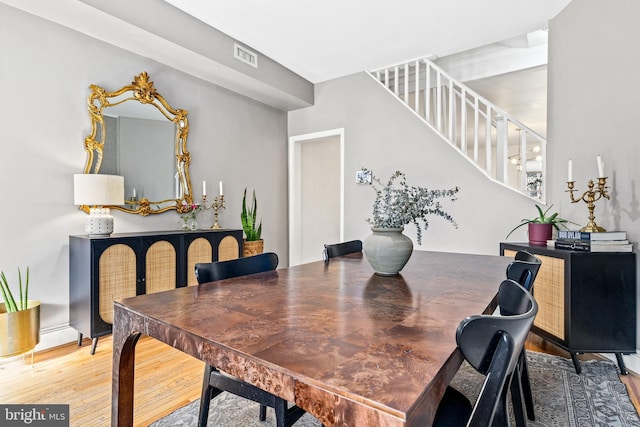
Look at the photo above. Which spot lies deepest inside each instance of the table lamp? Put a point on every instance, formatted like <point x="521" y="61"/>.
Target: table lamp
<point x="96" y="191"/>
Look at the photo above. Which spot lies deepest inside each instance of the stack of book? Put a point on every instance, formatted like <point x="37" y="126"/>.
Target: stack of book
<point x="606" y="241"/>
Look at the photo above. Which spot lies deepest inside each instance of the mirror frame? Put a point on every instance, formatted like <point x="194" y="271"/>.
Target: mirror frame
<point x="144" y="92"/>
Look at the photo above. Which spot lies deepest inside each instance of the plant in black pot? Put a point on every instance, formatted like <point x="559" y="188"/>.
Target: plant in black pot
<point x="541" y="227"/>
<point x="253" y="243"/>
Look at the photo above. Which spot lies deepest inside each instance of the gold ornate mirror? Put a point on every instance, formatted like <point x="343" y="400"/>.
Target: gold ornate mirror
<point x="137" y="134"/>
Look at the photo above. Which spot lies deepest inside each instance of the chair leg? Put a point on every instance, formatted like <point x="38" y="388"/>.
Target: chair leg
<point x="526" y="386"/>
<point x="263" y="412"/>
<point x="516" y="400"/>
<point x="205" y="398"/>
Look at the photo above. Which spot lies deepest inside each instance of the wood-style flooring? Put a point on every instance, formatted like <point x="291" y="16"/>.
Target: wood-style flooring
<point x="166" y="379"/>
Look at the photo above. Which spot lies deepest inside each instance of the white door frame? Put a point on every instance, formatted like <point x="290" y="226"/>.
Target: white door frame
<point x="295" y="144"/>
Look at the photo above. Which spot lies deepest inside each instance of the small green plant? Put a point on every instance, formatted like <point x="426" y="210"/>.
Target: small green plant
<point x="544" y="218"/>
<point x="252" y="230"/>
<point x="7" y="295"/>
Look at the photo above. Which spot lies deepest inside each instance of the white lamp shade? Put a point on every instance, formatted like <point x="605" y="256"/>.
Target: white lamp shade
<point x="95" y="189"/>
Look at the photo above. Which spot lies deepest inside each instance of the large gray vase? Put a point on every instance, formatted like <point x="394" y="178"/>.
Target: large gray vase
<point x="387" y="250"/>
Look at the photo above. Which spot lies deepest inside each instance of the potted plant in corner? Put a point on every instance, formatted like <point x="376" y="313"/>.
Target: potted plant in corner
<point x="387" y="250"/>
<point x="19" y="319"/>
<point x="253" y="243"/>
<point x="541" y="227"/>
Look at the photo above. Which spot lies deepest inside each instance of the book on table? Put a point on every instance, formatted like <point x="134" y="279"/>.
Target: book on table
<point x="594" y="246"/>
<point x="589" y="236"/>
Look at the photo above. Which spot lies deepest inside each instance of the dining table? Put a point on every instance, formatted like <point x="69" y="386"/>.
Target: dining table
<point x="349" y="346"/>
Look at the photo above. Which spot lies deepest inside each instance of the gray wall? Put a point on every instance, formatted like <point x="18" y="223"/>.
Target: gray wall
<point x="593" y="108"/>
<point x="382" y="135"/>
<point x="45" y="73"/>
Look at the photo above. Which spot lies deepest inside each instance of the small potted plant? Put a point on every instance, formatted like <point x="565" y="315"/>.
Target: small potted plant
<point x="387" y="249"/>
<point x="253" y="243"/>
<point x="19" y="319"/>
<point x="541" y="227"/>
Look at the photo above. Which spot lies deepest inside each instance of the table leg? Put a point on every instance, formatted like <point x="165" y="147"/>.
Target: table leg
<point x="125" y="338"/>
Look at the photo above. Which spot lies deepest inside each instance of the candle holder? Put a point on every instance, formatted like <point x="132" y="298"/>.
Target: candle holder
<point x="218" y="203"/>
<point x="590" y="197"/>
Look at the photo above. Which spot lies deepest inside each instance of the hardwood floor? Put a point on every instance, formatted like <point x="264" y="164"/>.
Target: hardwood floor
<point x="166" y="379"/>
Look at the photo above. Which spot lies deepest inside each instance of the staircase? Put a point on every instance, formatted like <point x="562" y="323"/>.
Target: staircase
<point x="503" y="148"/>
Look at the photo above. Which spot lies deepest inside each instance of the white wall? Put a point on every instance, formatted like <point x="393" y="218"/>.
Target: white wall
<point x="593" y="109"/>
<point x="383" y="136"/>
<point x="45" y="73"/>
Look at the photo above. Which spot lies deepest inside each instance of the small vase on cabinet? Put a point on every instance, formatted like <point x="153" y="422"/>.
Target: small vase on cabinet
<point x="387" y="250"/>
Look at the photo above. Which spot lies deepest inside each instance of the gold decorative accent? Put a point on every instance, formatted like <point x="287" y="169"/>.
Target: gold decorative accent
<point x="218" y="203"/>
<point x="590" y="197"/>
<point x="141" y="90"/>
<point x="19" y="330"/>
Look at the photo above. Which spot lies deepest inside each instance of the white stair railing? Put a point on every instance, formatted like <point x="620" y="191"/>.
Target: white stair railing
<point x="505" y="149"/>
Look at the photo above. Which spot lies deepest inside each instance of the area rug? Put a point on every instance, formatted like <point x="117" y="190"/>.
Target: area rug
<point x="562" y="398"/>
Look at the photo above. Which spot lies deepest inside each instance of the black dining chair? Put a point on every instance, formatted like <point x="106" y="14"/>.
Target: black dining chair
<point x="215" y="382"/>
<point x="491" y="345"/>
<point x="339" y="249"/>
<point x="524" y="270"/>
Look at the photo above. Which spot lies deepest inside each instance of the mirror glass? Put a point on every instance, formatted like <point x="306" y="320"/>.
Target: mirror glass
<point x="137" y="134"/>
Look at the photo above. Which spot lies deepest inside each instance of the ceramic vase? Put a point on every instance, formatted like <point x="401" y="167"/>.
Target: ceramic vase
<point x="387" y="250"/>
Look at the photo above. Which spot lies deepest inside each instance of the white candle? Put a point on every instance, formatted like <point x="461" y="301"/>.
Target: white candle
<point x="600" y="167"/>
<point x="204" y="188"/>
<point x="134" y="193"/>
<point x="221" y="193"/>
<point x="570" y="172"/>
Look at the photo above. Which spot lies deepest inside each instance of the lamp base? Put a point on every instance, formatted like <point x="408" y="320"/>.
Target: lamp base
<point x="99" y="222"/>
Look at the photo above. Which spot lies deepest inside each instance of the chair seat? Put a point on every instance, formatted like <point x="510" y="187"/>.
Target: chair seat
<point x="454" y="409"/>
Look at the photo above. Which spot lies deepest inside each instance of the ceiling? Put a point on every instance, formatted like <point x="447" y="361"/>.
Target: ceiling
<point x="323" y="40"/>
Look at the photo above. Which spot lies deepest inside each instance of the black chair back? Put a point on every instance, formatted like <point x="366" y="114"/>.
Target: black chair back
<point x="212" y="271"/>
<point x="524" y="272"/>
<point x="476" y="335"/>
<point x="493" y="346"/>
<point x="344" y="248"/>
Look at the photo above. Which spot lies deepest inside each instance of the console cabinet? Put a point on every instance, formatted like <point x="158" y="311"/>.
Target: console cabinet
<point x="103" y="269"/>
<point x="586" y="300"/>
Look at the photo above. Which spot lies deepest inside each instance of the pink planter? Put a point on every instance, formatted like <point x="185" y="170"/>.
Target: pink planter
<point x="539" y="233"/>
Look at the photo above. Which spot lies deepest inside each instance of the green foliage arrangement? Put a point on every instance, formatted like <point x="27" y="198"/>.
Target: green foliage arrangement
<point x="23" y="293"/>
<point x="397" y="206"/>
<point x="252" y="230"/>
<point x="544" y="218"/>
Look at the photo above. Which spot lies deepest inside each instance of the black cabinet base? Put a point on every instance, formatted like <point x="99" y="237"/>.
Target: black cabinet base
<point x="94" y="343"/>
<point x="576" y="363"/>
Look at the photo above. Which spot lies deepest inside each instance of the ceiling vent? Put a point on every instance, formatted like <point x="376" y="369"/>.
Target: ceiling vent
<point x="245" y="55"/>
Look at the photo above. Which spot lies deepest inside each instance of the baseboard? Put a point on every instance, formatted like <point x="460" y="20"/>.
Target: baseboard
<point x="49" y="338"/>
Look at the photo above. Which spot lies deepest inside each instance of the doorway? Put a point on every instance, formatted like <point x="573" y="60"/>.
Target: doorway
<point x="316" y="195"/>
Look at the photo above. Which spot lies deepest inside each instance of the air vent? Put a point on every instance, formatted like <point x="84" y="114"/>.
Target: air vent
<point x="245" y="55"/>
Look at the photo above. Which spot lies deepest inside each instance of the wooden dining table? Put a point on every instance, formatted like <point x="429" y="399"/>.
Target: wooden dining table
<point x="348" y="346"/>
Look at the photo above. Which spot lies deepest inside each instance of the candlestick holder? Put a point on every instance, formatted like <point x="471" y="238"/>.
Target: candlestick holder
<point x="590" y="197"/>
<point x="218" y="203"/>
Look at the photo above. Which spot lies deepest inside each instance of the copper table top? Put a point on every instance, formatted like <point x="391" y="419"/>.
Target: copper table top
<point x="349" y="346"/>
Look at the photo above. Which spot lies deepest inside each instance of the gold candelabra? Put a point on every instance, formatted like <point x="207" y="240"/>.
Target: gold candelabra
<point x="218" y="203"/>
<point x="590" y="197"/>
